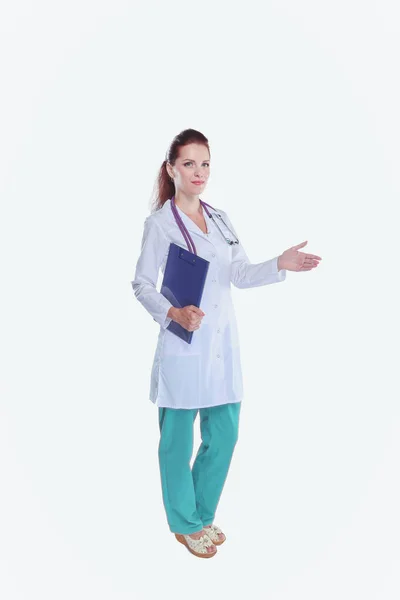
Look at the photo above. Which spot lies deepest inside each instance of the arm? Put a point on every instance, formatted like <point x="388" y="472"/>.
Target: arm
<point x="154" y="247"/>
<point x="245" y="274"/>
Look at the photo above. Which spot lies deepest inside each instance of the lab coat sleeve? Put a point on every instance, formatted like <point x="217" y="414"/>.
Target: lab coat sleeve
<point x="245" y="274"/>
<point x="154" y="247"/>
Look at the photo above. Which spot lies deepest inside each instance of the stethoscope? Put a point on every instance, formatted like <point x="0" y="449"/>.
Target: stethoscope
<point x="185" y="232"/>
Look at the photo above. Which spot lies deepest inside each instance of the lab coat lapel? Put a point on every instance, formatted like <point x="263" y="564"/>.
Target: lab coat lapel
<point x="189" y="224"/>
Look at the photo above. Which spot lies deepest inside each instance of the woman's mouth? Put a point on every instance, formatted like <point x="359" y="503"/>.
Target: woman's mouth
<point x="198" y="182"/>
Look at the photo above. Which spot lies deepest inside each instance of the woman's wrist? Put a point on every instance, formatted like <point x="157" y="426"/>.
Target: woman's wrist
<point x="172" y="312"/>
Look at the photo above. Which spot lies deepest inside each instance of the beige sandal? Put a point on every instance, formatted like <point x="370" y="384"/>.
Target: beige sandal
<point x="197" y="547"/>
<point x="212" y="532"/>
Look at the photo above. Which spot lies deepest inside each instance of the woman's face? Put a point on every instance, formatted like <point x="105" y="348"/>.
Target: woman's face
<point x="192" y="164"/>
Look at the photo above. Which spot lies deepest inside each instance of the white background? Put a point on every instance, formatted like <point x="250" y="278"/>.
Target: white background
<point x="300" y="103"/>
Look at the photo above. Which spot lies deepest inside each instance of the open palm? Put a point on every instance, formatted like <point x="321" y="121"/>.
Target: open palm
<point x="293" y="260"/>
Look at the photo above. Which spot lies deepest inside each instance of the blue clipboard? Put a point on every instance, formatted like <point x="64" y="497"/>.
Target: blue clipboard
<point x="183" y="283"/>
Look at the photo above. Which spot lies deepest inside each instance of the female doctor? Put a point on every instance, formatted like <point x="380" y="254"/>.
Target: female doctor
<point x="204" y="376"/>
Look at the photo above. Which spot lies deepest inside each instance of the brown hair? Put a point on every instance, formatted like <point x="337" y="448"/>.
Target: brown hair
<point x="164" y="186"/>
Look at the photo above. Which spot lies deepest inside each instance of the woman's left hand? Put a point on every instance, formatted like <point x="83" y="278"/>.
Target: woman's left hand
<point x="293" y="260"/>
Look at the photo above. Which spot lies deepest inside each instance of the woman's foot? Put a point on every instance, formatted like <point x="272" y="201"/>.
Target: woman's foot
<point x="198" y="543"/>
<point x="198" y="535"/>
<point x="215" y="534"/>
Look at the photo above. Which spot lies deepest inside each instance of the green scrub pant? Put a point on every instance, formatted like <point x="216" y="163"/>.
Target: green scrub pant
<point x="191" y="496"/>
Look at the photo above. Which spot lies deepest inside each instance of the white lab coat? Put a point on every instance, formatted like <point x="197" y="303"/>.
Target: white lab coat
<point x="208" y="371"/>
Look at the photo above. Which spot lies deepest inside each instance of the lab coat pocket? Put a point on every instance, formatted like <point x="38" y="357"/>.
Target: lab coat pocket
<point x="180" y="377"/>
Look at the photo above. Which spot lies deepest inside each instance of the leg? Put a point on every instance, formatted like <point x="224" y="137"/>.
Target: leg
<point x="175" y="452"/>
<point x="219" y="426"/>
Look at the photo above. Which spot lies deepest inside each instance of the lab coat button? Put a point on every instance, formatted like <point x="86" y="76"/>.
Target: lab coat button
<point x="217" y="355"/>
<point x="212" y="254"/>
<point x="215" y="305"/>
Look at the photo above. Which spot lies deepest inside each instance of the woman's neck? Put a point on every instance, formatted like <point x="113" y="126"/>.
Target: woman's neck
<point x="188" y="204"/>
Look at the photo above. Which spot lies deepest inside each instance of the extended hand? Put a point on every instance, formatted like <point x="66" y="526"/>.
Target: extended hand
<point x="293" y="260"/>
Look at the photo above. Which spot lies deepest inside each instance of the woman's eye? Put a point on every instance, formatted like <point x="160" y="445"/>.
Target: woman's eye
<point x="189" y="163"/>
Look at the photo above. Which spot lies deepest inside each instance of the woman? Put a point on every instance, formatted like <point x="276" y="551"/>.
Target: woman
<point x="203" y="376"/>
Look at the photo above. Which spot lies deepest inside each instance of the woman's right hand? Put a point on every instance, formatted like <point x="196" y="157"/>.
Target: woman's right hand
<point x="188" y="317"/>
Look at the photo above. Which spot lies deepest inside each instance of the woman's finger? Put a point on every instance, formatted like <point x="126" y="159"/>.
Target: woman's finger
<point x="300" y="245"/>
<point x="314" y="256"/>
